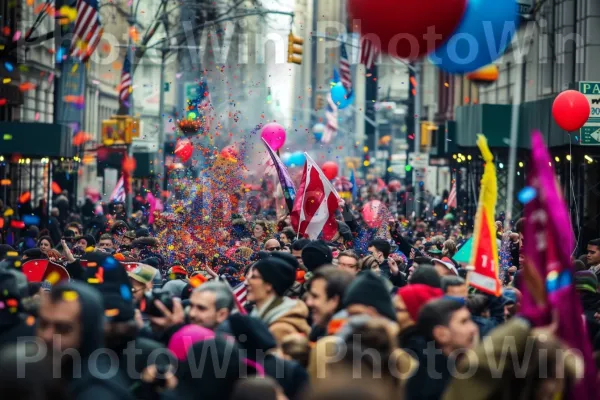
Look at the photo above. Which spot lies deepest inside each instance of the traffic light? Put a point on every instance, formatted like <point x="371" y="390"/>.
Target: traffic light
<point x="295" y="49"/>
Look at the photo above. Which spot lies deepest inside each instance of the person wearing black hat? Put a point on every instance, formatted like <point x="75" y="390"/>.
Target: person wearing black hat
<point x="121" y="332"/>
<point x="368" y="294"/>
<point x="14" y="321"/>
<point x="71" y="318"/>
<point x="85" y="241"/>
<point x="316" y="254"/>
<point x="267" y="281"/>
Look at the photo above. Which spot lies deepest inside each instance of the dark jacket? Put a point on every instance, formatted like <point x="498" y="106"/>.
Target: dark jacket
<point x="431" y="377"/>
<point x="13" y="327"/>
<point x="93" y="384"/>
<point x="486" y="325"/>
<point x="398" y="280"/>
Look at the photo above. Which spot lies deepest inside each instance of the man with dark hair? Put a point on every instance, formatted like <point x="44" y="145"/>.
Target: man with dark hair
<point x="593" y="255"/>
<point x="447" y="326"/>
<point x="327" y="288"/>
<point x="316" y="254"/>
<point x="454" y="286"/>
<point x="297" y="248"/>
<point x="71" y="324"/>
<point x="210" y="304"/>
<point x="380" y="249"/>
<point x="287" y="236"/>
<point x="427" y="275"/>
<point x="105" y="243"/>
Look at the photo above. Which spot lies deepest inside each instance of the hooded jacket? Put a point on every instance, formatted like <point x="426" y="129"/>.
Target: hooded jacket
<point x="96" y="384"/>
<point x="284" y="316"/>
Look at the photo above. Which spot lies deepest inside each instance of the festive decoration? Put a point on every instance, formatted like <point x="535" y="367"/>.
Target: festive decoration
<point x="184" y="150"/>
<point x="549" y="293"/>
<point x="400" y="27"/>
<point x="374" y="213"/>
<point x="571" y="110"/>
<point x="330" y="169"/>
<point x="274" y="135"/>
<point x="25" y="197"/>
<point x="189" y="126"/>
<point x="484" y="257"/>
<point x="484" y="76"/>
<point x="230" y="153"/>
<point x="482" y="36"/>
<point x="340" y="97"/>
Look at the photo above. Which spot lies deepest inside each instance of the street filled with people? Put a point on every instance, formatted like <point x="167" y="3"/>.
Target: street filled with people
<point x="99" y="304"/>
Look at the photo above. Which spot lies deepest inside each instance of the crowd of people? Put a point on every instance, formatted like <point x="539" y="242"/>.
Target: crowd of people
<point x="374" y="313"/>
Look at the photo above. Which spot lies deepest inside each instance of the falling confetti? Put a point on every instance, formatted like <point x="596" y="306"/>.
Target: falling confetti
<point x="527" y="194"/>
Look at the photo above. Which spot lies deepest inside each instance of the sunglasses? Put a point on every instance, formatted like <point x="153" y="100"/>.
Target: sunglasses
<point x="273" y="248"/>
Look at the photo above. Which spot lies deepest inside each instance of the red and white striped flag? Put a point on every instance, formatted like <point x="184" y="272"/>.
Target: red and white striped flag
<point x="345" y="72"/>
<point x="452" y="196"/>
<point x="118" y="194"/>
<point x="240" y="292"/>
<point x="315" y="204"/>
<point x="331" y="116"/>
<point x="88" y="30"/>
<point x="368" y="52"/>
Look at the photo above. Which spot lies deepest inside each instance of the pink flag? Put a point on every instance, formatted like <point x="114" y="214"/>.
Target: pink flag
<point x="548" y="272"/>
<point x="152" y="202"/>
<point x="315" y="204"/>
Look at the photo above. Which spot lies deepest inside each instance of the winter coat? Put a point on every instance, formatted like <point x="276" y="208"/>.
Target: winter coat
<point x="90" y="384"/>
<point x="499" y="374"/>
<point x="284" y="316"/>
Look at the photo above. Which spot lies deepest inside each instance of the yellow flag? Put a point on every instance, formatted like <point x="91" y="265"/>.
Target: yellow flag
<point x="484" y="257"/>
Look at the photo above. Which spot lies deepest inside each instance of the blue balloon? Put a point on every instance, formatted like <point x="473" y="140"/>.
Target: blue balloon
<point x="318" y="136"/>
<point x="482" y="36"/>
<point x="340" y="96"/>
<point x="338" y="93"/>
<point x="297" y="159"/>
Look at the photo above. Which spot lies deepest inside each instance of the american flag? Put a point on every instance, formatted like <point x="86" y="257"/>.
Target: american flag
<point x="240" y="292"/>
<point x="125" y="86"/>
<point x="118" y="194"/>
<point x="452" y="196"/>
<point x="331" y="115"/>
<point x="345" y="73"/>
<point x="88" y="30"/>
<point x="368" y="52"/>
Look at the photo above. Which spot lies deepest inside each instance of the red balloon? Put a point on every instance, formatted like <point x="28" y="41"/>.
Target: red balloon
<point x="330" y="169"/>
<point x="400" y="27"/>
<point x="184" y="150"/>
<point x="374" y="213"/>
<point x="571" y="110"/>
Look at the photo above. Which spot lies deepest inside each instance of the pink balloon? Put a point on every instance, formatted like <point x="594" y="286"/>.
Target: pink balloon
<point x="274" y="135"/>
<point x="374" y="213"/>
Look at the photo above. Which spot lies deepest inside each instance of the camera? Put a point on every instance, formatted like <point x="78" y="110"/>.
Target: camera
<point x="160" y="295"/>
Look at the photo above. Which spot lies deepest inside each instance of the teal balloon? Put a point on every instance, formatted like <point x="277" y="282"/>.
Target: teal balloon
<point x="318" y="136"/>
<point x="340" y="96"/>
<point x="297" y="159"/>
<point x="484" y="33"/>
<point x="338" y="93"/>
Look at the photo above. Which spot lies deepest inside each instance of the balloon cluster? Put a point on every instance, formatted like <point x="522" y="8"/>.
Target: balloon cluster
<point x="460" y="36"/>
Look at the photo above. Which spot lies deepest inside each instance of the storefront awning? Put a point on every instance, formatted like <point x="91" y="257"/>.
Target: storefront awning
<point x="35" y="140"/>
<point x="494" y="121"/>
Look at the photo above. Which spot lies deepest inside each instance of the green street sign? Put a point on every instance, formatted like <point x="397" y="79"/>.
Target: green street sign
<point x="589" y="134"/>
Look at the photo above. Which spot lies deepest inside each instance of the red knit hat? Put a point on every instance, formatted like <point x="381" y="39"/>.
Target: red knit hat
<point x="416" y="296"/>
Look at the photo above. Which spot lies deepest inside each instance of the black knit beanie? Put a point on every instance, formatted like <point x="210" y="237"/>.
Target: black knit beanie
<point x="277" y="272"/>
<point x="369" y="289"/>
<point x="316" y="254"/>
